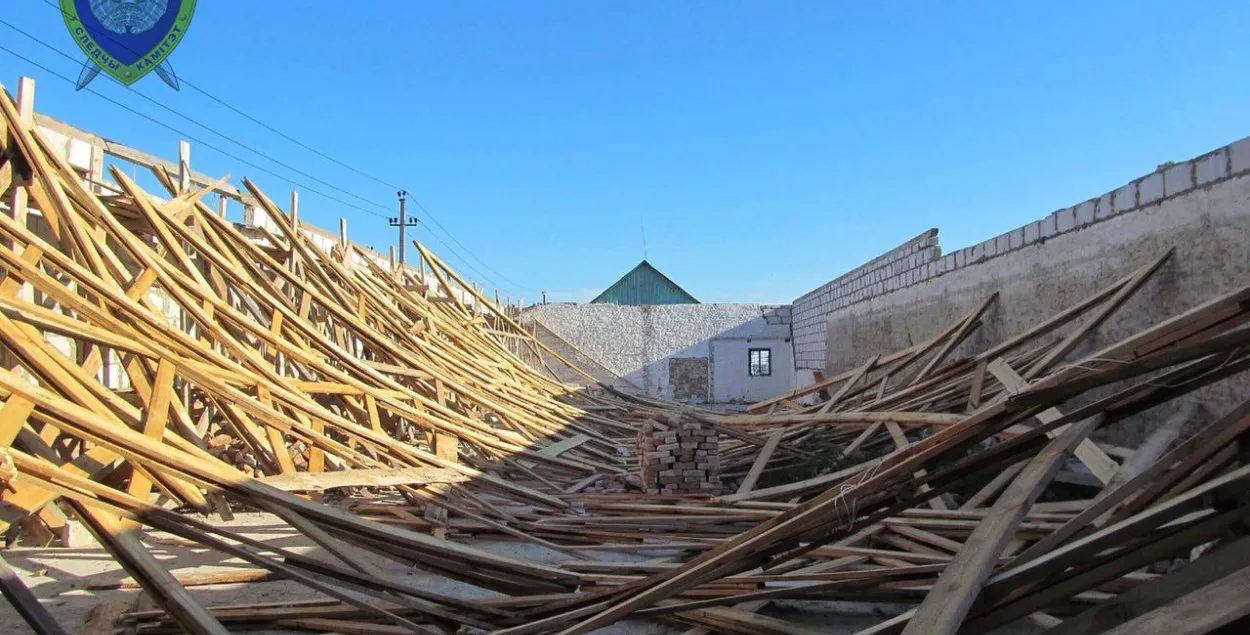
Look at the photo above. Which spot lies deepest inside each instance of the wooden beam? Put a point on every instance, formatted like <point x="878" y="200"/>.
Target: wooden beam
<point x="945" y="606"/>
<point x="378" y="477"/>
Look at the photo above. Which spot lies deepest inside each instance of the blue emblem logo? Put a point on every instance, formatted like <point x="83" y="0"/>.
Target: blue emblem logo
<point x="128" y="38"/>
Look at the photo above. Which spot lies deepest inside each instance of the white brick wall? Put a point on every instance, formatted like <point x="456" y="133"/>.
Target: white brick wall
<point x="891" y="270"/>
<point x="920" y="258"/>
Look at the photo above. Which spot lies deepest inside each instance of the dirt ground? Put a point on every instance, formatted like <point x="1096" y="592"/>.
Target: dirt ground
<point x="59" y="577"/>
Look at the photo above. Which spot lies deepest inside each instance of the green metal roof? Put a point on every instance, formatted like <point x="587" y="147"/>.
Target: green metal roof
<point x="644" y="285"/>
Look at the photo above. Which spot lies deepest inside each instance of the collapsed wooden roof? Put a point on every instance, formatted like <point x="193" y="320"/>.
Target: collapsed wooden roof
<point x="282" y="369"/>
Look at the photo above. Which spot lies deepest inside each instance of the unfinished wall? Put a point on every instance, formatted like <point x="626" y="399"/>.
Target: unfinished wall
<point x="638" y="342"/>
<point x="870" y="279"/>
<point x="1202" y="207"/>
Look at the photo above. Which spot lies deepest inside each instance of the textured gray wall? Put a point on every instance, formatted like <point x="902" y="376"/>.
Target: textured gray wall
<point x="635" y="342"/>
<point x="1202" y="207"/>
<point x="861" y="283"/>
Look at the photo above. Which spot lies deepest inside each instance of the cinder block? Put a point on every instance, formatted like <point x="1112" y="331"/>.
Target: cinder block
<point x="1104" y="209"/>
<point x="1032" y="231"/>
<point x="968" y="255"/>
<point x="1049" y="228"/>
<point x="1015" y="239"/>
<point x="1239" y="156"/>
<point x="959" y="258"/>
<point x="1178" y="178"/>
<point x="987" y="248"/>
<point x="1065" y="220"/>
<point x="1085" y="213"/>
<point x="977" y="253"/>
<point x="1002" y="244"/>
<point x="948" y="262"/>
<point x="1150" y="188"/>
<point x="1212" y="167"/>
<point x="1124" y="198"/>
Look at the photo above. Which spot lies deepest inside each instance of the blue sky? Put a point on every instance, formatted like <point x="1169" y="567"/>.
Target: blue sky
<point x="766" y="147"/>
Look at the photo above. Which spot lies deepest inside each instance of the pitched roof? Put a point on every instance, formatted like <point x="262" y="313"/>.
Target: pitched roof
<point x="643" y="285"/>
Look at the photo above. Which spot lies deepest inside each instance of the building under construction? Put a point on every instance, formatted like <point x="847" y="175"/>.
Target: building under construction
<point x="210" y="425"/>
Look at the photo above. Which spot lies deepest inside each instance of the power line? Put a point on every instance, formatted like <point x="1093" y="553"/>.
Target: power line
<point x="429" y="216"/>
<point x="210" y="146"/>
<point x="187" y="135"/>
<point x="203" y="125"/>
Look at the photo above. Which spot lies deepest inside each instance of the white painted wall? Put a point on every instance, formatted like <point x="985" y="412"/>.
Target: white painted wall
<point x="731" y="380"/>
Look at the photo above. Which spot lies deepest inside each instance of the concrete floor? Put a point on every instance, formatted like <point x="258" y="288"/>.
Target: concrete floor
<point x="59" y="577"/>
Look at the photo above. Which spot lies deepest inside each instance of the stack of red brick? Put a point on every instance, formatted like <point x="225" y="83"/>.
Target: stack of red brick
<point x="679" y="455"/>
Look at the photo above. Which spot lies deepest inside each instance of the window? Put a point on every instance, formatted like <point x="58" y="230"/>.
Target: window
<point x="760" y="362"/>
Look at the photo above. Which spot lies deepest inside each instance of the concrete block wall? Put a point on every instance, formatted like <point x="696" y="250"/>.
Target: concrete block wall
<point x="894" y="269"/>
<point x="636" y="343"/>
<point x="1201" y="207"/>
<point x="919" y="261"/>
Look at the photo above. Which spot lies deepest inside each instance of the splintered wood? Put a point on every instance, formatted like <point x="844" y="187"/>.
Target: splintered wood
<point x="248" y="369"/>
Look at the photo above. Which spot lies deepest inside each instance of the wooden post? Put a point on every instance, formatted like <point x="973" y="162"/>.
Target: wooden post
<point x="26" y="110"/>
<point x="447" y="447"/>
<point x="222" y="202"/>
<point x="290" y="257"/>
<point x="184" y="166"/>
<point x="184" y="186"/>
<point x="96" y="173"/>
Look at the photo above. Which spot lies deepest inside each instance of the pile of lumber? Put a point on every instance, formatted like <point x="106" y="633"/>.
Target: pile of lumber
<point x="261" y="372"/>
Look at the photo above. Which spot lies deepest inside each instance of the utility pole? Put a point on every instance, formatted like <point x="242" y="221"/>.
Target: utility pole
<point x="403" y="224"/>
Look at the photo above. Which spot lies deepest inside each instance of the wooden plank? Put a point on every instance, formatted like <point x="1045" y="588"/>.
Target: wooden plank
<point x="155" y="418"/>
<point x="1102" y="466"/>
<point x="563" y="445"/>
<point x="944" y="608"/>
<point x="1137" y="602"/>
<point x="1057" y="352"/>
<point x="377" y="477"/>
<point x="13" y="414"/>
<point x="850" y="384"/>
<point x="26" y="604"/>
<point x="970" y="323"/>
<point x="901" y="442"/>
<point x="761" y="461"/>
<point x="141" y="565"/>
<point x="1205" y="609"/>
